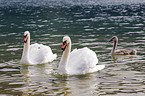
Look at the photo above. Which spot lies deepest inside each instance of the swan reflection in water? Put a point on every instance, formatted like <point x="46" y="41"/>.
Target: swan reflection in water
<point x="118" y="58"/>
<point x="40" y="81"/>
<point x="35" y="77"/>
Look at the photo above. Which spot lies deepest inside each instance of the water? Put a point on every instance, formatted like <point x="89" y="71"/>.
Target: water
<point x="89" y="24"/>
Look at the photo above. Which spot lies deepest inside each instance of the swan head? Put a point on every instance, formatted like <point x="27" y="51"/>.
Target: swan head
<point x="26" y="35"/>
<point x="66" y="42"/>
<point x="114" y="39"/>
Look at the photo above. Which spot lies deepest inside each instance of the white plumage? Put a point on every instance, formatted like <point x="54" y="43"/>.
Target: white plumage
<point x="35" y="53"/>
<point x="79" y="61"/>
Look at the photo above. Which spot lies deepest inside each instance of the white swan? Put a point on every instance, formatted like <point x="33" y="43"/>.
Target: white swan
<point x="35" y="53"/>
<point x="79" y="61"/>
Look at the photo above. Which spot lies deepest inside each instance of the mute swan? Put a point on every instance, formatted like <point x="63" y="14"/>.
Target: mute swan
<point x="79" y="61"/>
<point x="35" y="53"/>
<point x="121" y="51"/>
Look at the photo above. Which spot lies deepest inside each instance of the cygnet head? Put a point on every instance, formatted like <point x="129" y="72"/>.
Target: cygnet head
<point x="114" y="38"/>
<point x="26" y="35"/>
<point x="66" y="42"/>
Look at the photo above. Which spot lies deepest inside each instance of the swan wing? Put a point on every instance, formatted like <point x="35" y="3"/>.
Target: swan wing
<point x="82" y="61"/>
<point x="123" y="51"/>
<point x="41" y="54"/>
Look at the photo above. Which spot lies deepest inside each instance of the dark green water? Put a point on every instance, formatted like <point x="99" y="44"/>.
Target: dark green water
<point x="89" y="24"/>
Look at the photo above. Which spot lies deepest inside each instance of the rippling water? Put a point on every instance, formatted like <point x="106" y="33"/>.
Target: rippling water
<point x="89" y="24"/>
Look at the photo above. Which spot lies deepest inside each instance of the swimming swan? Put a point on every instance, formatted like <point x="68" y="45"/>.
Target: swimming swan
<point x="121" y="51"/>
<point x="35" y="53"/>
<point x="79" y="61"/>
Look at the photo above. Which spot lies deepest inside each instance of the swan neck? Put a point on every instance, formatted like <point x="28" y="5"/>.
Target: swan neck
<point x="114" y="46"/>
<point x="64" y="60"/>
<point x="26" y="49"/>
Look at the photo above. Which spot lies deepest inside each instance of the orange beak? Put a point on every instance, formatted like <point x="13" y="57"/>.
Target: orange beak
<point x="25" y="39"/>
<point x="64" y="45"/>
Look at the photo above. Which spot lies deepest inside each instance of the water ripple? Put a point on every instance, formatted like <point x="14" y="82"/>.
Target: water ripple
<point x="88" y="26"/>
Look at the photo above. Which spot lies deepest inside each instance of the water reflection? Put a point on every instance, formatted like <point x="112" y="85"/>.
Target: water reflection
<point x="40" y="81"/>
<point x="118" y="58"/>
<point x="88" y="26"/>
<point x="35" y="77"/>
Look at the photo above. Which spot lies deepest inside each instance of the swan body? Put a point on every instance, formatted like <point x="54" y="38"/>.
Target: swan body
<point x="121" y="51"/>
<point x="79" y="61"/>
<point x="35" y="53"/>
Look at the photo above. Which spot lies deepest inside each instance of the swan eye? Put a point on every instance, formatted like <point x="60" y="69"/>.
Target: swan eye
<point x="64" y="42"/>
<point x="25" y="36"/>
